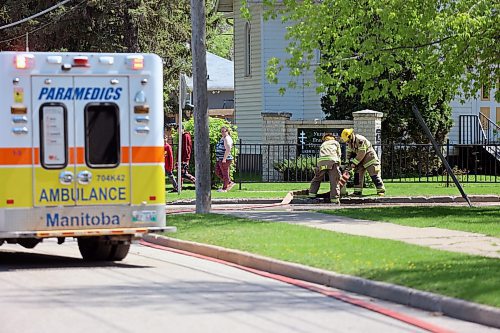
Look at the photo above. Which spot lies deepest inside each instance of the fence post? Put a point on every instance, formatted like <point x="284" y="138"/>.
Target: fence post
<point x="369" y="124"/>
<point x="447" y="156"/>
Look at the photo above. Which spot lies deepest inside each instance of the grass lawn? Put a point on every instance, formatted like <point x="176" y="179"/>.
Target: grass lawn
<point x="462" y="276"/>
<point x="279" y="190"/>
<point x="484" y="220"/>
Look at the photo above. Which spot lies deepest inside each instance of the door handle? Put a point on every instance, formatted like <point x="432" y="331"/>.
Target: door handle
<point x="84" y="177"/>
<point x="66" y="177"/>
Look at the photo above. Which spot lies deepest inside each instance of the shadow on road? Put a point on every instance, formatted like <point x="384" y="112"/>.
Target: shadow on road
<point x="26" y="260"/>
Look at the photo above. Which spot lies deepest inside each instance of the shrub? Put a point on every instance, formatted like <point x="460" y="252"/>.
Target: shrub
<point x="299" y="169"/>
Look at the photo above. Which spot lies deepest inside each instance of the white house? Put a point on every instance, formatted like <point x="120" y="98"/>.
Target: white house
<point x="255" y="42"/>
<point x="258" y="40"/>
<point x="220" y="86"/>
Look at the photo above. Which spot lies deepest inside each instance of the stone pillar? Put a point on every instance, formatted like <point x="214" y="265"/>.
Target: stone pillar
<point x="369" y="124"/>
<point x="274" y="135"/>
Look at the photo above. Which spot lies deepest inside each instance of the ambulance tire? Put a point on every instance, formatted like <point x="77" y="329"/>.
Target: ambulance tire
<point x="119" y="251"/>
<point x="94" y="248"/>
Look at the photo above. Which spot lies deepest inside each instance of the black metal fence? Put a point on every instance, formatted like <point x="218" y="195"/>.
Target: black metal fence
<point x="400" y="162"/>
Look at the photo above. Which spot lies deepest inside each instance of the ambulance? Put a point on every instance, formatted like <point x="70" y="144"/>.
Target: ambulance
<point x="81" y="150"/>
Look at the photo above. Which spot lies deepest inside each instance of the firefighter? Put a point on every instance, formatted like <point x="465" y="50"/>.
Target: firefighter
<point x="328" y="161"/>
<point x="362" y="158"/>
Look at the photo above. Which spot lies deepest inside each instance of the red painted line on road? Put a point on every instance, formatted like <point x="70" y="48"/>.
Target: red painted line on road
<point x="316" y="288"/>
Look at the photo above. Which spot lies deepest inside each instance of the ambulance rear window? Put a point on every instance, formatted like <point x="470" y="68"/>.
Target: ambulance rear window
<point x="53" y="136"/>
<point x="102" y="135"/>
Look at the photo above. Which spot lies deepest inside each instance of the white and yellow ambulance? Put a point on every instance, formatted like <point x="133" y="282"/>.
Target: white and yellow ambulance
<point x="81" y="150"/>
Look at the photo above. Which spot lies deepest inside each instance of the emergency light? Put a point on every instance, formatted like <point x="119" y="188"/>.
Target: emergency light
<point x="24" y="61"/>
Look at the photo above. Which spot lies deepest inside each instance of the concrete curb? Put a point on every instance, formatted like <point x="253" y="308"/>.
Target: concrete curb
<point x="452" y="307"/>
<point x="409" y="200"/>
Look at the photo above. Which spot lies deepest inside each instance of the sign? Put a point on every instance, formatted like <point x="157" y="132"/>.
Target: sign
<point x="54" y="136"/>
<point x="309" y="139"/>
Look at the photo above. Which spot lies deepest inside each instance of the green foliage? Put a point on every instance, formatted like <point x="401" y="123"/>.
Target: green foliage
<point x="221" y="39"/>
<point x="399" y="123"/>
<point x="215" y="125"/>
<point x="146" y="26"/>
<point x="446" y="46"/>
<point x="294" y="169"/>
<point x="410" y="161"/>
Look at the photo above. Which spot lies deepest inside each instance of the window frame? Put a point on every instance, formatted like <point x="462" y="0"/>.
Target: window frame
<point x="248" y="49"/>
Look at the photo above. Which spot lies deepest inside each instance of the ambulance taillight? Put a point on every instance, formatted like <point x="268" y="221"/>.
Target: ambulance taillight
<point x="81" y="61"/>
<point x="24" y="61"/>
<point x="135" y="62"/>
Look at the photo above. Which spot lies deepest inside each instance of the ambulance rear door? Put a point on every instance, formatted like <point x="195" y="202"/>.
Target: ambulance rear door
<point x="102" y="130"/>
<point x="84" y="149"/>
<point x="54" y="142"/>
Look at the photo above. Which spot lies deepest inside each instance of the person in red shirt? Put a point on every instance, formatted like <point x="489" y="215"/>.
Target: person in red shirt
<point x="169" y="165"/>
<point x="187" y="146"/>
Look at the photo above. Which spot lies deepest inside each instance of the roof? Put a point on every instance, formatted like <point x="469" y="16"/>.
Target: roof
<point x="220" y="74"/>
<point x="224" y="6"/>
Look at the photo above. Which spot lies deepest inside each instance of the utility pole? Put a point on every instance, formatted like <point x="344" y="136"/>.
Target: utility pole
<point x="201" y="129"/>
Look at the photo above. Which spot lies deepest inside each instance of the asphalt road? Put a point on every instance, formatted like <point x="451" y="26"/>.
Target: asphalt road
<point x="50" y="289"/>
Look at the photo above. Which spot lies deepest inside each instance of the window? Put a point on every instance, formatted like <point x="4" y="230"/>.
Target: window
<point x="485" y="93"/>
<point x="247" y="50"/>
<point x="102" y="135"/>
<point x="53" y="136"/>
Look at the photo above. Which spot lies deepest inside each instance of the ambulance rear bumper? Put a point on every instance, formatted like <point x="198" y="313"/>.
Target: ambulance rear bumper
<point x="133" y="232"/>
<point x="83" y="221"/>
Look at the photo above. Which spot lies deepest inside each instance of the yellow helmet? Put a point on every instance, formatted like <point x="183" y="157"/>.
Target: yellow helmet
<point x="347" y="134"/>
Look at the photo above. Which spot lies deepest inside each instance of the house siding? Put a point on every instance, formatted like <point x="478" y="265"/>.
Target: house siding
<point x="470" y="107"/>
<point x="248" y="89"/>
<point x="302" y="102"/>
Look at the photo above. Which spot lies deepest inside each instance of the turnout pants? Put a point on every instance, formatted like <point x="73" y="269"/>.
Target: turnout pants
<point x="374" y="172"/>
<point x="334" y="176"/>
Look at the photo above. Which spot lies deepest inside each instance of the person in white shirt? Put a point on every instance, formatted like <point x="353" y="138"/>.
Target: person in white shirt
<point x="224" y="159"/>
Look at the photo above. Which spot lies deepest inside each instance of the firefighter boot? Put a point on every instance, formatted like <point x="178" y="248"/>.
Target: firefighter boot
<point x="379" y="185"/>
<point x="358" y="185"/>
<point x="312" y="198"/>
<point x="357" y="192"/>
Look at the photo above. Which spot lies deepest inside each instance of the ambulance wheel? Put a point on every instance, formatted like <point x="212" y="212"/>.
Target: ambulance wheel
<point x="119" y="251"/>
<point x="94" y="248"/>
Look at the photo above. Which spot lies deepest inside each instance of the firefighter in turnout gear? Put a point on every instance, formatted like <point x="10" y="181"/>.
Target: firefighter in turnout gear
<point x="328" y="161"/>
<point x="362" y="158"/>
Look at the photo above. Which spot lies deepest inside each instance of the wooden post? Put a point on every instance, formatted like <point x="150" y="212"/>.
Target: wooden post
<point x="201" y="129"/>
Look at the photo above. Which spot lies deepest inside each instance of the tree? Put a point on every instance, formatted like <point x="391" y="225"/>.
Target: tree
<point x="161" y="27"/>
<point x="399" y="121"/>
<point x="448" y="46"/>
<point x="221" y="42"/>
